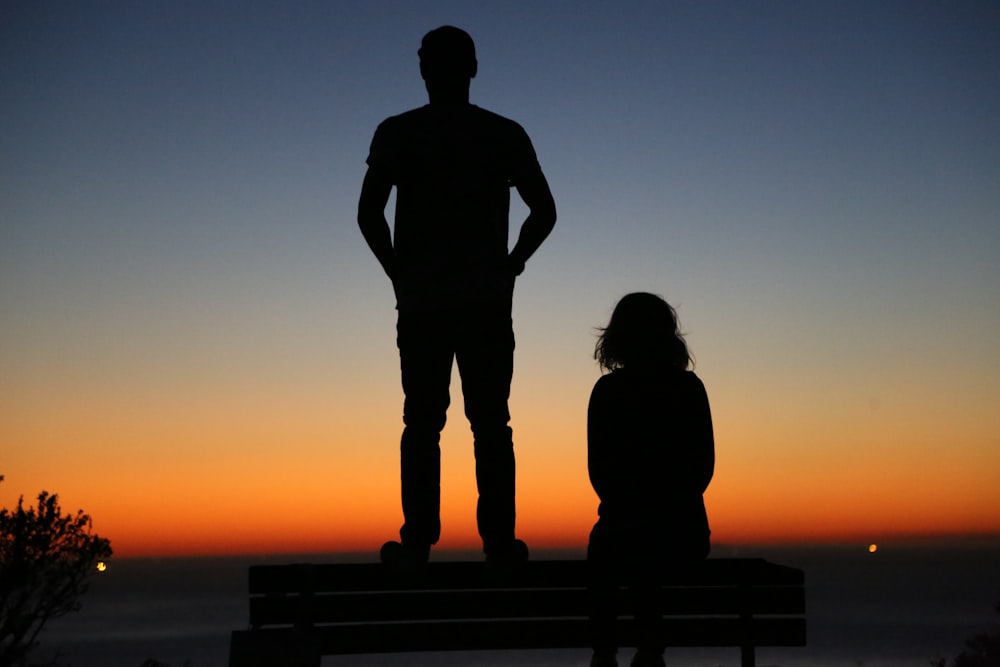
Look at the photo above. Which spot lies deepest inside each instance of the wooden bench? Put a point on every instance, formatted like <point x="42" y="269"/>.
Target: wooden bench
<point x="299" y="613"/>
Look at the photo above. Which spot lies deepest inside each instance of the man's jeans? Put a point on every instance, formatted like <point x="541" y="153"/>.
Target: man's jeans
<point x="480" y="338"/>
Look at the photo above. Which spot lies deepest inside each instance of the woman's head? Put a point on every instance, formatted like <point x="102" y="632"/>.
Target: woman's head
<point x="643" y="330"/>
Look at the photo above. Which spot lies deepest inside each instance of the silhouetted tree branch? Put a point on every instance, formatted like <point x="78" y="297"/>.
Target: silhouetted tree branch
<point x="45" y="560"/>
<point x="983" y="650"/>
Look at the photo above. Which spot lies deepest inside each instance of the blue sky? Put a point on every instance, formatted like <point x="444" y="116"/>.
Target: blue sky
<point x="815" y="185"/>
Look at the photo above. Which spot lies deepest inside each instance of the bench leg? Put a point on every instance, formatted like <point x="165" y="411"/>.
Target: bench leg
<point x="747" y="658"/>
<point x="263" y="649"/>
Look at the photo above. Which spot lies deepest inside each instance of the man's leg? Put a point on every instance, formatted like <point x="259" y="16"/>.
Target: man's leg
<point x="485" y="354"/>
<point x="425" y="356"/>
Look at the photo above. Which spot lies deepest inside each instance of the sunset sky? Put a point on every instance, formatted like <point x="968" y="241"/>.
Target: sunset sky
<point x="197" y="348"/>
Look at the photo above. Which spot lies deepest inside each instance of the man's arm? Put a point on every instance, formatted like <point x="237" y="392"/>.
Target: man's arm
<point x="534" y="190"/>
<point x="371" y="219"/>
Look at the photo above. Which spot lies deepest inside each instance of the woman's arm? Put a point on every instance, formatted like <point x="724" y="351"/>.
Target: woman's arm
<point x="703" y="436"/>
<point x="600" y="458"/>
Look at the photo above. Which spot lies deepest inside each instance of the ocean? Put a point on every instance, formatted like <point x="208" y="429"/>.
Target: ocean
<point x="903" y="605"/>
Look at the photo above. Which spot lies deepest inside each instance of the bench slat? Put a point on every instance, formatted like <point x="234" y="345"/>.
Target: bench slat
<point x="344" y="577"/>
<point x="528" y="634"/>
<point x="507" y="603"/>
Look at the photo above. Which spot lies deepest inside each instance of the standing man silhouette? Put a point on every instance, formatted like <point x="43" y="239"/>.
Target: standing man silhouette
<point x="453" y="165"/>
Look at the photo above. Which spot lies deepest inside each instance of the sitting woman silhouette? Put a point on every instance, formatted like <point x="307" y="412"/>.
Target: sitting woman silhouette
<point x="651" y="455"/>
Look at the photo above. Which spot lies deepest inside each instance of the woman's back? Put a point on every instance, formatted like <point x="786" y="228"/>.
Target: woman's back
<point x="651" y="449"/>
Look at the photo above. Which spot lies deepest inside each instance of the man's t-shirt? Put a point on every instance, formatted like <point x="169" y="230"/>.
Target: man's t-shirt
<point x="453" y="167"/>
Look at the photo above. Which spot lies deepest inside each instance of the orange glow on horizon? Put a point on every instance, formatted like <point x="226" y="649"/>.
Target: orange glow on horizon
<point x="276" y="479"/>
<point x="322" y="519"/>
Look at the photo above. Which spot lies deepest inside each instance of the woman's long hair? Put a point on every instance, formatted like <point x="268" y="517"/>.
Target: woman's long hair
<point x="643" y="330"/>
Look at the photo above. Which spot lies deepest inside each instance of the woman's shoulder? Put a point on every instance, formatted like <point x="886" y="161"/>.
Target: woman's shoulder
<point x="691" y="382"/>
<point x="612" y="383"/>
<point x="607" y="380"/>
<point x="649" y="375"/>
<point x="692" y="377"/>
<point x="661" y="371"/>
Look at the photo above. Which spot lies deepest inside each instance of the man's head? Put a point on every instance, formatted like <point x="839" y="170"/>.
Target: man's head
<point x="447" y="58"/>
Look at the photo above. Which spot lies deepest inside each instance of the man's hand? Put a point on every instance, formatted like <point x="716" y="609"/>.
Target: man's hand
<point x="371" y="219"/>
<point x="534" y="190"/>
<point x="514" y="266"/>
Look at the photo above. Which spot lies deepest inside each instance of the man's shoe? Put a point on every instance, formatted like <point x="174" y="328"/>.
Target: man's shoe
<point x="404" y="554"/>
<point x="604" y="659"/>
<point x="514" y="553"/>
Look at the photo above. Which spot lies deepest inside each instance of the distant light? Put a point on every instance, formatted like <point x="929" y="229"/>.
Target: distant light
<point x="102" y="566"/>
<point x="872" y="548"/>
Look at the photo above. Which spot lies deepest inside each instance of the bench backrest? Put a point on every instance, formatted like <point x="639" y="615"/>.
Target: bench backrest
<point x="369" y="608"/>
